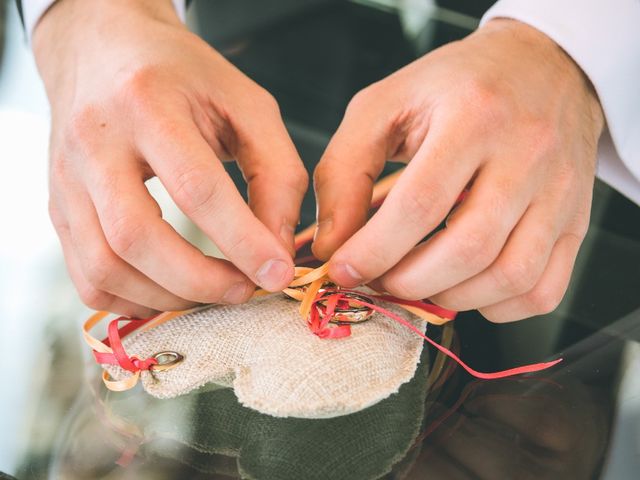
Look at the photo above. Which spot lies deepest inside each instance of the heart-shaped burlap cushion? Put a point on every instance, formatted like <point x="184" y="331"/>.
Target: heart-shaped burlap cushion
<point x="275" y="364"/>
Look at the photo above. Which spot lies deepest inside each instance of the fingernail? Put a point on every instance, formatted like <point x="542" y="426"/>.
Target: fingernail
<point x="323" y="228"/>
<point x="236" y="293"/>
<point x="347" y="275"/>
<point x="274" y="274"/>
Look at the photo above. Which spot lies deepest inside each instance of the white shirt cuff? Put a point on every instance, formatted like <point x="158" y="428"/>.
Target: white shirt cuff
<point x="603" y="38"/>
<point x="33" y="10"/>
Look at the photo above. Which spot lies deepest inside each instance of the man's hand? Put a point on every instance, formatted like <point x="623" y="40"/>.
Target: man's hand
<point x="135" y="94"/>
<point x="519" y="428"/>
<point x="504" y="111"/>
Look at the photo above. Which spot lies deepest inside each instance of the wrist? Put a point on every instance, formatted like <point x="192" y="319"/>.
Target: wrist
<point x="552" y="57"/>
<point x="70" y="26"/>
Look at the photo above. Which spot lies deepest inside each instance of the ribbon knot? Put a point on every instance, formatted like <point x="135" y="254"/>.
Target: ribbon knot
<point x="143" y="364"/>
<point x="118" y="355"/>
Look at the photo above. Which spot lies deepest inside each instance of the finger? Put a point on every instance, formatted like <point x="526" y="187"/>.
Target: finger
<point x="90" y="296"/>
<point x="154" y="251"/>
<point x="107" y="272"/>
<point x="516" y="270"/>
<point x="344" y="177"/>
<point x="419" y="201"/>
<point x="473" y="239"/>
<point x="197" y="181"/>
<point x="276" y="178"/>
<point x="547" y="293"/>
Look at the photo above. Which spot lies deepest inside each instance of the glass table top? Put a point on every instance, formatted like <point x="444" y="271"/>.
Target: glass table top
<point x="579" y="420"/>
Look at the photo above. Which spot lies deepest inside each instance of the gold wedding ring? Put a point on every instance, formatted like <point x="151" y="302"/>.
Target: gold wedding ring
<point x="354" y="312"/>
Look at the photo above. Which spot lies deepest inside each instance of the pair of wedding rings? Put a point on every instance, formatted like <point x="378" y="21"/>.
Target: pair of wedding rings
<point x="353" y="312"/>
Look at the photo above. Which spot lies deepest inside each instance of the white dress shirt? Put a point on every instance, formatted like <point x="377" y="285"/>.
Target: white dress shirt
<point x="33" y="10"/>
<point x="602" y="37"/>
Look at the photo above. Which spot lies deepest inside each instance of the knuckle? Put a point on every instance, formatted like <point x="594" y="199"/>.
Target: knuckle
<point x="195" y="190"/>
<point x="482" y="97"/>
<point x="543" y="300"/>
<point x="99" y="268"/>
<point x="323" y="173"/>
<point x="194" y="290"/>
<point x="418" y="209"/>
<point x="401" y="286"/>
<point x="93" y="298"/>
<point x="378" y="260"/>
<point x="380" y="106"/>
<point x="59" y="169"/>
<point x="450" y="300"/>
<point x="266" y="100"/>
<point x="580" y="231"/>
<point x="476" y="248"/>
<point x="361" y="100"/>
<point x="56" y="216"/>
<point x="125" y="233"/>
<point x="544" y="136"/>
<point x="242" y="242"/>
<point x="489" y="315"/>
<point x="135" y="90"/>
<point x="499" y="203"/>
<point x="298" y="178"/>
<point x="565" y="184"/>
<point x="81" y="133"/>
<point x="140" y="79"/>
<point x="515" y="276"/>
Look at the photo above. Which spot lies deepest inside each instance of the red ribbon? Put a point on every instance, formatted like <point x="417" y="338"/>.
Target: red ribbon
<point x="119" y="356"/>
<point x="321" y="315"/>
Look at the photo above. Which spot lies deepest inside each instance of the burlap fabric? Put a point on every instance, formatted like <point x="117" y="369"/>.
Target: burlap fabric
<point x="266" y="352"/>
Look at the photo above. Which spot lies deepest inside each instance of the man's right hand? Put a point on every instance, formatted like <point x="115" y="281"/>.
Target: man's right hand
<point x="134" y="94"/>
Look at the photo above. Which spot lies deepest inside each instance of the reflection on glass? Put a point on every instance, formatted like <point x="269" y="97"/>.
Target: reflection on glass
<point x="211" y="432"/>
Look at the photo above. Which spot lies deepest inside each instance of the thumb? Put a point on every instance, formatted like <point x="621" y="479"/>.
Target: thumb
<point x="344" y="177"/>
<point x="275" y="175"/>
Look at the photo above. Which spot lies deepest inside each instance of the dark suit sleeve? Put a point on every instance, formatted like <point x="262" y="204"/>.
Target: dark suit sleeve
<point x="19" y="5"/>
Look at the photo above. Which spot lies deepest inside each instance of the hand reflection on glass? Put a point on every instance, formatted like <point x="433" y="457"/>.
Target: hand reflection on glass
<point x="524" y="428"/>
